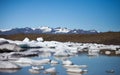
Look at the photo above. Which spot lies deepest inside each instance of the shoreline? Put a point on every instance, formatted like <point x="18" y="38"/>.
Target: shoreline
<point x="107" y="38"/>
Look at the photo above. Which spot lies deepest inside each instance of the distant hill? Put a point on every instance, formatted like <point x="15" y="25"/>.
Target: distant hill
<point x="46" y="30"/>
<point x="102" y="38"/>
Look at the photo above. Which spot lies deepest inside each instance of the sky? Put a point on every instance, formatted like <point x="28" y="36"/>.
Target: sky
<point x="101" y="15"/>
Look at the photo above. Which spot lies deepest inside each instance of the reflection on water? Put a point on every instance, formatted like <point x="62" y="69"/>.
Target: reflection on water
<point x="97" y="65"/>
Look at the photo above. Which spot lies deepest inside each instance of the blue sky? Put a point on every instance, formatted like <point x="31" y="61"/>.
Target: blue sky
<point x="102" y="15"/>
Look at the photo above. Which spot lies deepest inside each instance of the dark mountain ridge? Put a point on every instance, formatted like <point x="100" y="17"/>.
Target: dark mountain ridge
<point x="46" y="30"/>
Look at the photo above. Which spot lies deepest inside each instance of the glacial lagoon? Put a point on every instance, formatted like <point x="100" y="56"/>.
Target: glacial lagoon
<point x="97" y="65"/>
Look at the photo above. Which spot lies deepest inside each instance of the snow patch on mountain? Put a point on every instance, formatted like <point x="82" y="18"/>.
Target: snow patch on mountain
<point x="45" y="29"/>
<point x="61" y="30"/>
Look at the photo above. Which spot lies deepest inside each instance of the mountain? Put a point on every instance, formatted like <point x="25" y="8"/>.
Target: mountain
<point x="46" y="30"/>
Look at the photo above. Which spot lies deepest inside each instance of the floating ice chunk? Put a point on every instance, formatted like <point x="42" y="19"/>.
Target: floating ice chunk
<point x="50" y="70"/>
<point x="72" y="73"/>
<point x="41" y="67"/>
<point x="85" y="71"/>
<point x="67" y="62"/>
<point x="34" y="71"/>
<point x="71" y="66"/>
<point x="39" y="39"/>
<point x="8" y="65"/>
<point x="93" y="53"/>
<point x="26" y="40"/>
<point x="74" y="70"/>
<point x="32" y="62"/>
<point x="37" y="68"/>
<point x="40" y="62"/>
<point x="107" y="52"/>
<point x="110" y="71"/>
<point x="117" y="52"/>
<point x="6" y="56"/>
<point x="74" y="51"/>
<point x="11" y="47"/>
<point x="83" y="66"/>
<point x="3" y="41"/>
<point x="23" y="65"/>
<point x="54" y="62"/>
<point x="63" y="53"/>
<point x="44" y="54"/>
<point x="24" y="61"/>
<point x="75" y="66"/>
<point x="52" y="44"/>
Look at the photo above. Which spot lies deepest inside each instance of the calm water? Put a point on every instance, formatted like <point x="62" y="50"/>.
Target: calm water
<point x="97" y="65"/>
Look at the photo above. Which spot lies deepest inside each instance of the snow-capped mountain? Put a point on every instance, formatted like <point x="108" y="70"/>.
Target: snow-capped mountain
<point x="61" y="30"/>
<point x="46" y="30"/>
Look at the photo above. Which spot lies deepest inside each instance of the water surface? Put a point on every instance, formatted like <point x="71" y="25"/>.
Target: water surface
<point x="97" y="65"/>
